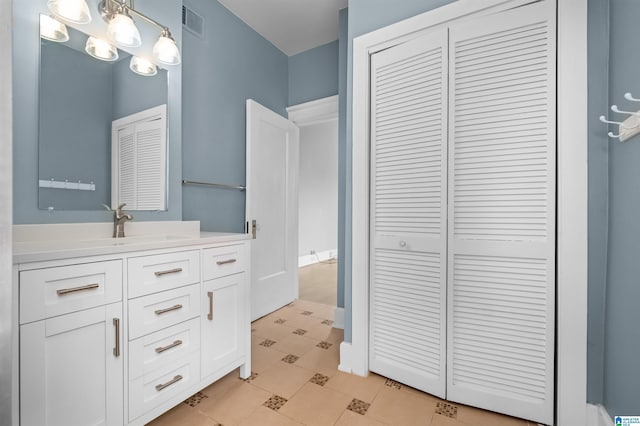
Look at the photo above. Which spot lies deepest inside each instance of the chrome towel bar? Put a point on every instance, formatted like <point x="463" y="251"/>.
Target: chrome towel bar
<point x="215" y="185"/>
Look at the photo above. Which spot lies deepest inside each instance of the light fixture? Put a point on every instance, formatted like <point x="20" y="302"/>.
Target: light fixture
<point x="72" y="10"/>
<point x="123" y="30"/>
<point x="165" y="50"/>
<point x="142" y="66"/>
<point x="101" y="49"/>
<point x="52" y="29"/>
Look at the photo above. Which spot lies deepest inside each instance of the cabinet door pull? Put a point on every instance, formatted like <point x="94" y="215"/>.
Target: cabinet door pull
<point x="226" y="262"/>
<point x="116" y="349"/>
<point x="177" y="378"/>
<point x="167" y="272"/>
<point x="210" y="315"/>
<point x="164" y="311"/>
<point x="165" y="348"/>
<point x="64" y="291"/>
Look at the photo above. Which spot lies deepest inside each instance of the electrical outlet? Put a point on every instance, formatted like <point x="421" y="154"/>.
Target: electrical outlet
<point x="313" y="252"/>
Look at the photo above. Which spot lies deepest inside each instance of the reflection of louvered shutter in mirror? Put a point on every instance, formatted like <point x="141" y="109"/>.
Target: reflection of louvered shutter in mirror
<point x="139" y="160"/>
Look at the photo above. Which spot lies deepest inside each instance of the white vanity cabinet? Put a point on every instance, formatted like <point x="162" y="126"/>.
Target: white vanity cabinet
<point x="71" y="363"/>
<point x="120" y="338"/>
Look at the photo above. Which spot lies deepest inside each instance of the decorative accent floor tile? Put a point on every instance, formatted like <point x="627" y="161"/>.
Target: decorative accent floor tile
<point x="319" y="379"/>
<point x="195" y="399"/>
<point x="324" y="345"/>
<point x="392" y="384"/>
<point x="251" y="377"/>
<point x="290" y="359"/>
<point x="267" y="343"/>
<point x="280" y="321"/>
<point x="358" y="406"/>
<point x="275" y="402"/>
<point x="307" y="313"/>
<point x="447" y="409"/>
<point x="299" y="332"/>
<point x="327" y="322"/>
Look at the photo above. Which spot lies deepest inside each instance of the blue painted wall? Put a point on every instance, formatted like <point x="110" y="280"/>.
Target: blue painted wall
<point x="366" y="16"/>
<point x="26" y="58"/>
<point x="343" y="41"/>
<point x="229" y="65"/>
<point x="313" y="74"/>
<point x="598" y="75"/>
<point x="622" y="315"/>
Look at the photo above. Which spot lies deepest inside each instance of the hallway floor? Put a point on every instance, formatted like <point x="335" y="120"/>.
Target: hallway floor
<point x="295" y="381"/>
<point x="319" y="282"/>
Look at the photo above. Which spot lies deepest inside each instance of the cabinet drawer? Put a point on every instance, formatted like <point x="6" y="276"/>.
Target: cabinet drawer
<point x="154" y="350"/>
<point x="151" y="274"/>
<point x="49" y="292"/>
<point x="157" y="311"/>
<point x="223" y="261"/>
<point x="159" y="386"/>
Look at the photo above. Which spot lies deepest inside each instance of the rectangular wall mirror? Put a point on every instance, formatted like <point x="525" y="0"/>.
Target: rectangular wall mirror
<point x="79" y="98"/>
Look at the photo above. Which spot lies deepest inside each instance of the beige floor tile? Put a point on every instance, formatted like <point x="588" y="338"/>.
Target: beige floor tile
<point x="320" y="360"/>
<point x="295" y="344"/>
<point x="224" y="385"/>
<point x="476" y="417"/>
<point x="349" y="418"/>
<point x="315" y="405"/>
<point x="235" y="406"/>
<point x="183" y="415"/>
<point x="272" y="331"/>
<point x="318" y="310"/>
<point x="283" y="379"/>
<point x="263" y="358"/>
<point x="363" y="388"/>
<point x="395" y="407"/>
<point x="264" y="416"/>
<point x="325" y="332"/>
<point x="440" y="420"/>
<point x="318" y="282"/>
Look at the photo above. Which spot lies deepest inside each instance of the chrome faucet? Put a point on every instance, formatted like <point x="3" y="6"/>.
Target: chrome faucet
<point x="119" y="219"/>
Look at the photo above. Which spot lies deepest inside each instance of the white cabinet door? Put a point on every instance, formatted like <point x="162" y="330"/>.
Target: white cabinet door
<point x="71" y="369"/>
<point x="502" y="212"/>
<point x="408" y="213"/>
<point x="223" y="307"/>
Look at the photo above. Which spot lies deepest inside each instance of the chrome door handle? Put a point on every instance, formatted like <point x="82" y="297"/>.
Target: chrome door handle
<point x="64" y="291"/>
<point x="177" y="378"/>
<point x="116" y="349"/>
<point x="164" y="311"/>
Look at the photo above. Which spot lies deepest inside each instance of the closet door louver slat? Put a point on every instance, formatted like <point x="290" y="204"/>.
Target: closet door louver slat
<point x="501" y="275"/>
<point x="408" y="211"/>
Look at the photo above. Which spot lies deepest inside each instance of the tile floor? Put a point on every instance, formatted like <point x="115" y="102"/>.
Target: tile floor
<point x="295" y="381"/>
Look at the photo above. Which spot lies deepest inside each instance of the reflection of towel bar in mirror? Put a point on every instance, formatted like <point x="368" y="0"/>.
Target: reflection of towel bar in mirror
<point x="56" y="184"/>
<point x="215" y="185"/>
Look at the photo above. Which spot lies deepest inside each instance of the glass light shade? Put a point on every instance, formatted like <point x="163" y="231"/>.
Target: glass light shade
<point x="72" y="10"/>
<point x="123" y="31"/>
<point x="165" y="51"/>
<point x="100" y="49"/>
<point x="52" y="29"/>
<point x="142" y="66"/>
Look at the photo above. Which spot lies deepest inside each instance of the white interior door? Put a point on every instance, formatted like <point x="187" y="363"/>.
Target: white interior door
<point x="501" y="284"/>
<point x="408" y="213"/>
<point x="272" y="202"/>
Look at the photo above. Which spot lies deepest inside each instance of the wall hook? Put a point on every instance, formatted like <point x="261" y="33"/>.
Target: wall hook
<point x="614" y="108"/>
<point x="604" y="120"/>
<point x="628" y="96"/>
<point x="611" y="135"/>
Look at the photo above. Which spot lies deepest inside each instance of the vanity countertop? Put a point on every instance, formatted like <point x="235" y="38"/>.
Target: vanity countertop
<point x="53" y="246"/>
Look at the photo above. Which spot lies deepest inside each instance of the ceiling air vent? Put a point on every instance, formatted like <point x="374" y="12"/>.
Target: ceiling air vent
<point x="192" y="22"/>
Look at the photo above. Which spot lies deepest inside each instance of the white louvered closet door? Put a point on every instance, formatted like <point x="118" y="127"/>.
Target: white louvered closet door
<point x="408" y="213"/>
<point x="502" y="212"/>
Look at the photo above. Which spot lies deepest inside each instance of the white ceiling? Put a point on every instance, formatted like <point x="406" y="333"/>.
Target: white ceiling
<point x="293" y="26"/>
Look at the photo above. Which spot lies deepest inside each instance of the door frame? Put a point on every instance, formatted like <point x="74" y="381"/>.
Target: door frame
<point x="571" y="243"/>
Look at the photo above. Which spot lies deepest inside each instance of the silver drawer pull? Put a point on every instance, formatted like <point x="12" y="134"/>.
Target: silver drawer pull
<point x="169" y="383"/>
<point x="210" y="314"/>
<point x="226" y="262"/>
<point x="64" y="291"/>
<point x="168" y="271"/>
<point x="164" y="311"/>
<point x="116" y="349"/>
<point x="166" y="348"/>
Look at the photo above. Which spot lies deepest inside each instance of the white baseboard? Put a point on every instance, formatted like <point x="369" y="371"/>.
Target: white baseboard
<point x="338" y="318"/>
<point x="310" y="259"/>
<point x="597" y="416"/>
<point x="345" y="357"/>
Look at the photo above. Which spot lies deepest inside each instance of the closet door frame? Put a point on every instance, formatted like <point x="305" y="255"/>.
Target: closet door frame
<point x="571" y="272"/>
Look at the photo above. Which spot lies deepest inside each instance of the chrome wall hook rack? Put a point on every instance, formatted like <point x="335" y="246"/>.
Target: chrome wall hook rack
<point x="627" y="128"/>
